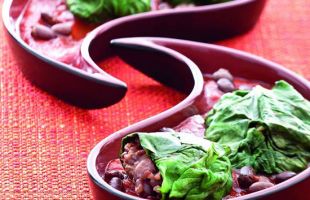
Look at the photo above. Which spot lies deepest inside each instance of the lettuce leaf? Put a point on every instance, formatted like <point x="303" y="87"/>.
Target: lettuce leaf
<point x="266" y="129"/>
<point x="191" y="168"/>
<point x="101" y="10"/>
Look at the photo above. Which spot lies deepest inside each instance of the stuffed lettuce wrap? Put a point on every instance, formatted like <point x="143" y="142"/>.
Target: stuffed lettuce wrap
<point x="172" y="165"/>
<point x="266" y="129"/>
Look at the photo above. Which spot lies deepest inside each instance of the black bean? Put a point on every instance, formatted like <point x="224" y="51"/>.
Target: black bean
<point x="49" y="18"/>
<point x="114" y="173"/>
<point x="284" y="176"/>
<point x="116" y="183"/>
<point x="247" y="170"/>
<point x="42" y="32"/>
<point x="222" y="73"/>
<point x="245" y="181"/>
<point x="147" y="188"/>
<point x="260" y="186"/>
<point x="63" y="28"/>
<point x="225" y="85"/>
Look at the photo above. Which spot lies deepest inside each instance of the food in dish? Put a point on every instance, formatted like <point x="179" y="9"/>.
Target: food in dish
<point x="249" y="139"/>
<point x="104" y="10"/>
<point x="57" y="28"/>
<point x="165" y="164"/>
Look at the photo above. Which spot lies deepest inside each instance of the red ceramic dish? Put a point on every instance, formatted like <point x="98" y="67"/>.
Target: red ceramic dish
<point x="93" y="90"/>
<point x="161" y="52"/>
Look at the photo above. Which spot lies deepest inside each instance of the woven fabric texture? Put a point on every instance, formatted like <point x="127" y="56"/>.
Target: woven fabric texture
<point x="44" y="142"/>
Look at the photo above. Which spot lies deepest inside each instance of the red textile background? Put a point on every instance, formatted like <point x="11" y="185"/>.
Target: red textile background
<point x="44" y="142"/>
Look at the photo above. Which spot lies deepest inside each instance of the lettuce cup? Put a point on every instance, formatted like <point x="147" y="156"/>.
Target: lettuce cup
<point x="172" y="165"/>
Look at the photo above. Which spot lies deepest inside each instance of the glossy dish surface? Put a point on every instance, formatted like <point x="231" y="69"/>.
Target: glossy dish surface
<point x="88" y="88"/>
<point x="208" y="59"/>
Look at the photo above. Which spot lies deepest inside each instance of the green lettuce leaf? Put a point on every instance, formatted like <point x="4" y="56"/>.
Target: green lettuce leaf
<point x="192" y="168"/>
<point x="101" y="10"/>
<point x="266" y="129"/>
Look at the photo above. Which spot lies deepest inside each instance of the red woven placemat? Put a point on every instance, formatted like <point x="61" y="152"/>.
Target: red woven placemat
<point x="44" y="142"/>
